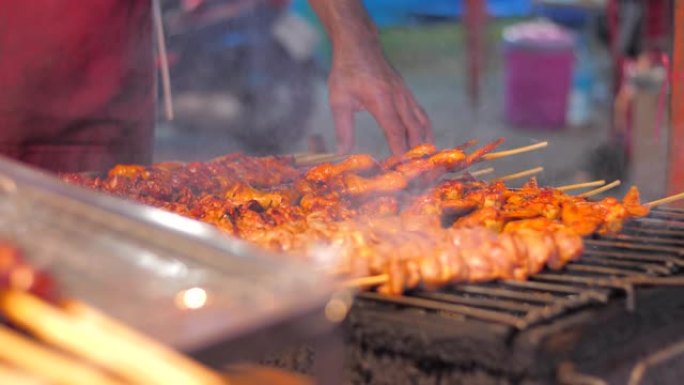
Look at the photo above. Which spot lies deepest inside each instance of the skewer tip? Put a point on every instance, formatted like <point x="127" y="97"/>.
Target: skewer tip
<point x="666" y="200"/>
<point x="600" y="190"/>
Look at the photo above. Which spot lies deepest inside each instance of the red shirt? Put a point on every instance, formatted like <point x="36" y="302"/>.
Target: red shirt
<point x="76" y="83"/>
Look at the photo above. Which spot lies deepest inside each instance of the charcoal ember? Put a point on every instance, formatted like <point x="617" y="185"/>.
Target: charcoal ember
<point x="299" y="359"/>
<point x="367" y="366"/>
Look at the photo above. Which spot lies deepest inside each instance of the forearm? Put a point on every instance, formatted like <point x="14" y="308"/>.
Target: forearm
<point x="361" y="78"/>
<point x="349" y="28"/>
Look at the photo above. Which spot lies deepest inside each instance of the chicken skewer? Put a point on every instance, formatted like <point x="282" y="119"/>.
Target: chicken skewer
<point x="384" y="217"/>
<point x="468" y="255"/>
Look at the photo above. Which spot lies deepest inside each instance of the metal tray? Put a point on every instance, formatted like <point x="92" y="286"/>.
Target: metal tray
<point x="145" y="266"/>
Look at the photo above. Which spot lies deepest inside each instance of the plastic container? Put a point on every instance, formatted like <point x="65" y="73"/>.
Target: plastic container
<point x="139" y="264"/>
<point x="538" y="60"/>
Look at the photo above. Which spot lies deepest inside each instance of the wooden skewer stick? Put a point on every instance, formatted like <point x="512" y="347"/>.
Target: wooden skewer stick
<point x="89" y="340"/>
<point x="307" y="156"/>
<point x="163" y="58"/>
<point x="599" y="190"/>
<point x="86" y="314"/>
<point x="515" y="151"/>
<point x="9" y="375"/>
<point x="520" y="174"/>
<point x="577" y="186"/>
<point x="313" y="159"/>
<point x="666" y="200"/>
<point x="33" y="357"/>
<point x="484" y="171"/>
<point x="374" y="280"/>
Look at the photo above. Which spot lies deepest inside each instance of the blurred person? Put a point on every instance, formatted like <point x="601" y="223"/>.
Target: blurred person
<point x="77" y="82"/>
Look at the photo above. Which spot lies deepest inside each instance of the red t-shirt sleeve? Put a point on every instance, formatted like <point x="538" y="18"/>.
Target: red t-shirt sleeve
<point x="76" y="82"/>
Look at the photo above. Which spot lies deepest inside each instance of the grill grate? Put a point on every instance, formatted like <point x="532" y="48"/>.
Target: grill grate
<point x="650" y="251"/>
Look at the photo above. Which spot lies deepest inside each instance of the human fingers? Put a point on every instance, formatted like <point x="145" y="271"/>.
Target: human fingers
<point x="344" y="128"/>
<point x="408" y="116"/>
<point x="423" y="118"/>
<point x="385" y="113"/>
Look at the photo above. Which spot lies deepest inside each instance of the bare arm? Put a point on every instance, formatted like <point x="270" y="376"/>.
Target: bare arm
<point x="361" y="78"/>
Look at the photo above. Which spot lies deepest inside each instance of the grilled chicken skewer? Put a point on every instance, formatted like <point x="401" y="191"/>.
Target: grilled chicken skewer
<point x="394" y="217"/>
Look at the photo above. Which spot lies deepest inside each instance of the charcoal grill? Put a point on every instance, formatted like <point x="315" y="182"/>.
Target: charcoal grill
<point x="610" y="318"/>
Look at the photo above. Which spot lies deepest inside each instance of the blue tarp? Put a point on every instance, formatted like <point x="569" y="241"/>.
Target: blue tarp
<point x="401" y="12"/>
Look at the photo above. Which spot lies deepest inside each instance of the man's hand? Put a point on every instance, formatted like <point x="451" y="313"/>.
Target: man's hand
<point x="367" y="81"/>
<point x="361" y="78"/>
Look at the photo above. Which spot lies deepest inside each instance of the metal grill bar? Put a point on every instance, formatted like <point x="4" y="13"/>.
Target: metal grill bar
<point x="652" y="231"/>
<point x="669" y="261"/>
<point x="601" y="269"/>
<point x="599" y="295"/>
<point x="633" y="246"/>
<point x="557" y="309"/>
<point x="611" y="282"/>
<point x="480" y="302"/>
<point x="662" y="223"/>
<point x="658" y="281"/>
<point x="669" y="214"/>
<point x="651" y="240"/>
<point x="646" y="267"/>
<point x="539" y="297"/>
<point x="486" y="315"/>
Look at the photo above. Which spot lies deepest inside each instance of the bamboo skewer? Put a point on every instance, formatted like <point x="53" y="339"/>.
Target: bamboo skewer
<point x="373" y="280"/>
<point x="666" y="200"/>
<point x="13" y="376"/>
<point x="86" y="314"/>
<point x="313" y="159"/>
<point x="484" y="171"/>
<point x="577" y="186"/>
<point x="163" y="58"/>
<point x="520" y="174"/>
<point x="515" y="151"/>
<point x="88" y="340"/>
<point x="306" y="159"/>
<point x="600" y="189"/>
<point x="32" y="357"/>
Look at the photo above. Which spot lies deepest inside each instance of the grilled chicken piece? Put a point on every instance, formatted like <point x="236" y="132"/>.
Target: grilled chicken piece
<point x="632" y="202"/>
<point x="568" y="244"/>
<point x="384" y="183"/>
<point x="487" y="217"/>
<point x="353" y="163"/>
<point x="128" y="170"/>
<point x="242" y="193"/>
<point x="419" y="151"/>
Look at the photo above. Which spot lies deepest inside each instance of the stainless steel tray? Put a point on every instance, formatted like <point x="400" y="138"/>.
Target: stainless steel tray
<point x="137" y="263"/>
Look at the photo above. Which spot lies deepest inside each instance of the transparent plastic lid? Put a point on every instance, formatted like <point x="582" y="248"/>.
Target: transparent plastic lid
<point x="175" y="279"/>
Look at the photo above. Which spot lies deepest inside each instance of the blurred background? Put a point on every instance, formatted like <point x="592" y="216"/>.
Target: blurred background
<point x="588" y="76"/>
